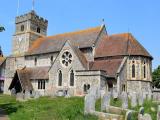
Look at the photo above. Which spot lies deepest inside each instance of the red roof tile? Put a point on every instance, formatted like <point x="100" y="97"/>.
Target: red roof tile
<point x="110" y="66"/>
<point x="120" y="44"/>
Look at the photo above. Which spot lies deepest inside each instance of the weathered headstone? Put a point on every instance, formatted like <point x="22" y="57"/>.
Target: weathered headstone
<point x="105" y="101"/>
<point x="19" y="96"/>
<point x="140" y="98"/>
<point x="27" y="95"/>
<point x="89" y="104"/>
<point x="133" y="99"/>
<point x="144" y="95"/>
<point x="158" y="113"/>
<point x="115" y="94"/>
<point x="147" y="117"/>
<point x="128" y="115"/>
<point x="37" y="94"/>
<point x="124" y="98"/>
<point x="141" y="110"/>
<point x="149" y="96"/>
<point x="95" y="91"/>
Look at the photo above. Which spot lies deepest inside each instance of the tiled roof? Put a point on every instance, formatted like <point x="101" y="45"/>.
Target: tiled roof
<point x="38" y="73"/>
<point x="24" y="78"/>
<point x="110" y="66"/>
<point x="81" y="39"/>
<point x="120" y="44"/>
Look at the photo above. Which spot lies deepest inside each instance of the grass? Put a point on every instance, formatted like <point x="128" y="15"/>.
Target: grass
<point x="116" y="102"/>
<point x="45" y="108"/>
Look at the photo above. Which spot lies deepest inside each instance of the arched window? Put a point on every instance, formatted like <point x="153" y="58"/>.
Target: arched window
<point x="35" y="61"/>
<point x="88" y="86"/>
<point x="60" y="78"/>
<point x="71" y="78"/>
<point x="38" y="30"/>
<point x="133" y="69"/>
<point x="22" y="27"/>
<point x="144" y="69"/>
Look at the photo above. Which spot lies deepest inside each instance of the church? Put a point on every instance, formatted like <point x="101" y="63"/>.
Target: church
<point x="71" y="63"/>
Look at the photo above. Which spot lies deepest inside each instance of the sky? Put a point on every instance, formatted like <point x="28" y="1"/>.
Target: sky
<point x="140" y="17"/>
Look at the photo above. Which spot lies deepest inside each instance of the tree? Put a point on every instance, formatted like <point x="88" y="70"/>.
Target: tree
<point x="2" y="29"/>
<point x="156" y="77"/>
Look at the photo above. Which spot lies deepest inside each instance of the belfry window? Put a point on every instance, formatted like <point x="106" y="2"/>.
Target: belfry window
<point x="144" y="69"/>
<point x="133" y="69"/>
<point x="38" y="30"/>
<point x="60" y="78"/>
<point x="22" y="28"/>
<point x="71" y="78"/>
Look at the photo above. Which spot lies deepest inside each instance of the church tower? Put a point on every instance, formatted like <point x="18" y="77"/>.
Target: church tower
<point x="29" y="27"/>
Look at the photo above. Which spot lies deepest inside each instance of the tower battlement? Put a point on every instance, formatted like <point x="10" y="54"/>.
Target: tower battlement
<point x="33" y="17"/>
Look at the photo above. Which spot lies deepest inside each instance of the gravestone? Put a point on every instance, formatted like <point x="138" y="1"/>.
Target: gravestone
<point x="147" y="117"/>
<point x="105" y="101"/>
<point x="27" y="95"/>
<point x="133" y="99"/>
<point x="124" y="98"/>
<point x="89" y="104"/>
<point x="140" y="98"/>
<point x="36" y="94"/>
<point x="128" y="115"/>
<point x="144" y="95"/>
<point x="158" y="113"/>
<point x="19" y="96"/>
<point x="115" y="94"/>
<point x="149" y="96"/>
<point x="141" y="111"/>
<point x="95" y="91"/>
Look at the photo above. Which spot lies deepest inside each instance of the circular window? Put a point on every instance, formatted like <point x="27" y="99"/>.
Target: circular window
<point x="66" y="58"/>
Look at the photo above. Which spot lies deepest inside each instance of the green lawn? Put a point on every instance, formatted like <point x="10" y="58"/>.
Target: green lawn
<point x="45" y="108"/>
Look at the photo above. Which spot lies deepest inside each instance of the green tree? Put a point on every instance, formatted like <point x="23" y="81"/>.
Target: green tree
<point x="2" y="29"/>
<point x="156" y="77"/>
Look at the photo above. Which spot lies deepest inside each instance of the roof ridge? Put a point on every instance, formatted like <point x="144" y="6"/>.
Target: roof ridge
<point x="76" y="32"/>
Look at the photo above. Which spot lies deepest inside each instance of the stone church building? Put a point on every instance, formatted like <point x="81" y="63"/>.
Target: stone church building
<point x="73" y="62"/>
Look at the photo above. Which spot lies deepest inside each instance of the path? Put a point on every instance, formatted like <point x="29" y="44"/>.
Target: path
<point x="3" y="115"/>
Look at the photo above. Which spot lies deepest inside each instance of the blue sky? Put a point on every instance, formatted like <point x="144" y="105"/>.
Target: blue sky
<point x="141" y="17"/>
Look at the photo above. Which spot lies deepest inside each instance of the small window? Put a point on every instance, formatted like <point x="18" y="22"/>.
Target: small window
<point x="86" y="88"/>
<point x="133" y="69"/>
<point x="71" y="78"/>
<point x="60" y="78"/>
<point x="41" y="84"/>
<point x="51" y="59"/>
<point x="35" y="61"/>
<point x="123" y="88"/>
<point x="22" y="28"/>
<point x="144" y="69"/>
<point x="38" y="30"/>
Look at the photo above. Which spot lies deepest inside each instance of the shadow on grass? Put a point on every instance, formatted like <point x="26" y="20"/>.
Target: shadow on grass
<point x="10" y="107"/>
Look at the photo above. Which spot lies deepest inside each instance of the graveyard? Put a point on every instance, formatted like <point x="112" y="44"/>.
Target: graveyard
<point x="73" y="108"/>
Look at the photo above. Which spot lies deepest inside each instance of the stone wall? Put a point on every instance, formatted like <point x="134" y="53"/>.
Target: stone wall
<point x="42" y="60"/>
<point x="137" y="86"/>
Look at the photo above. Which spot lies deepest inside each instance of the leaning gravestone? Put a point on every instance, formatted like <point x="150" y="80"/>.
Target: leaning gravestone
<point x="158" y="113"/>
<point x="140" y="98"/>
<point x="124" y="98"/>
<point x="114" y="94"/>
<point x="105" y="101"/>
<point x="128" y="115"/>
<point x="19" y="96"/>
<point x="27" y="95"/>
<point x="89" y="104"/>
<point x="133" y="99"/>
